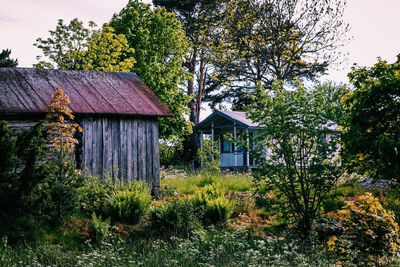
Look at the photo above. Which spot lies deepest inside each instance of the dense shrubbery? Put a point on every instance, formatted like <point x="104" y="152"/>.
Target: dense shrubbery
<point x="129" y="203"/>
<point x="209" y="205"/>
<point x="370" y="232"/>
<point x="121" y="201"/>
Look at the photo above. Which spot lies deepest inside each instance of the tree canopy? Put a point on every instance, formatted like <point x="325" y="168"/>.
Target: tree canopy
<point x="160" y="48"/>
<point x="298" y="147"/>
<point x="73" y="46"/>
<point x="372" y="124"/>
<point x="6" y="61"/>
<point x="262" y="41"/>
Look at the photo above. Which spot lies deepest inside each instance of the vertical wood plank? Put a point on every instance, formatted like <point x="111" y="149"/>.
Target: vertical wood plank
<point x="141" y="150"/>
<point x="149" y="153"/>
<point x="107" y="146"/>
<point x="116" y="147"/>
<point x="129" y="124"/>
<point x="135" y="149"/>
<point x="156" y="158"/>
<point x="89" y="145"/>
<point x="123" y="149"/>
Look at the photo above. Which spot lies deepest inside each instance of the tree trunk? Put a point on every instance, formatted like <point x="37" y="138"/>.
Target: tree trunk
<point x="190" y="142"/>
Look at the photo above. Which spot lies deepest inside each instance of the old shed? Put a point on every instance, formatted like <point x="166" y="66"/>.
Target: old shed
<point x="117" y="111"/>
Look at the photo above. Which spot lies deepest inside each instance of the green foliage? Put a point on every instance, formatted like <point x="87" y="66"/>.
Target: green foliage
<point x="76" y="47"/>
<point x="213" y="248"/>
<point x="217" y="208"/>
<point x="298" y="147"/>
<point x="21" y="168"/>
<point x="99" y="229"/>
<point x="370" y="232"/>
<point x="171" y="151"/>
<point x="178" y="216"/>
<point x="160" y="48"/>
<point x="129" y="203"/>
<point x="200" y="19"/>
<point x="333" y="204"/>
<point x="206" y="180"/>
<point x="93" y="194"/>
<point x="189" y="183"/>
<point x="372" y="125"/>
<point x="209" y="158"/>
<point x="6" y="61"/>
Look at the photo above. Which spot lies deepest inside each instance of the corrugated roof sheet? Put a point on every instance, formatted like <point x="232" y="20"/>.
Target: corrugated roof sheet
<point x="28" y="90"/>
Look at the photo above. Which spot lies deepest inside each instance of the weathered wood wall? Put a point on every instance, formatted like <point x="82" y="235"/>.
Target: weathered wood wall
<point x="126" y="148"/>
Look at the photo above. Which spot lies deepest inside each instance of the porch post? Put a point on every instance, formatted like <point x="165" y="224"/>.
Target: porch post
<point x="234" y="138"/>
<point x="247" y="148"/>
<point x="212" y="140"/>
<point x="201" y="147"/>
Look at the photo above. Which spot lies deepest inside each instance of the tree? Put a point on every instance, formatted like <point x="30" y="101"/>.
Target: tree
<point x="263" y="41"/>
<point x="160" y="49"/>
<point x="298" y="147"/>
<point x="199" y="19"/>
<point x="75" y="47"/>
<point x="6" y="61"/>
<point x="63" y="177"/>
<point x="372" y="125"/>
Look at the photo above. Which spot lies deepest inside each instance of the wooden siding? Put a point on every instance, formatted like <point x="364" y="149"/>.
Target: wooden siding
<point x="126" y="148"/>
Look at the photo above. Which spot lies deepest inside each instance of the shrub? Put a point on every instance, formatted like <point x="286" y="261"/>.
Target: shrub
<point x="178" y="216"/>
<point x="369" y="231"/>
<point x="206" y="180"/>
<point x="93" y="195"/>
<point x="98" y="229"/>
<point x="217" y="208"/>
<point x="333" y="203"/>
<point x="129" y="203"/>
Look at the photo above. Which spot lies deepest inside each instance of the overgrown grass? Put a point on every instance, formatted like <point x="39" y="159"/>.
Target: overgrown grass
<point x="204" y="248"/>
<point x="184" y="183"/>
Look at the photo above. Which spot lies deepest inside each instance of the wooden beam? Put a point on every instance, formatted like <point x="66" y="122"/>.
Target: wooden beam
<point x="247" y="148"/>
<point x="201" y="147"/>
<point x="234" y="142"/>
<point x="212" y="140"/>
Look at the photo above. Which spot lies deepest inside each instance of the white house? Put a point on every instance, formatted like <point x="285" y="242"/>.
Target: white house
<point x="232" y="133"/>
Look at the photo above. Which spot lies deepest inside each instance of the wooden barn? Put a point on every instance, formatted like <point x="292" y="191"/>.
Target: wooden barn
<point x="117" y="112"/>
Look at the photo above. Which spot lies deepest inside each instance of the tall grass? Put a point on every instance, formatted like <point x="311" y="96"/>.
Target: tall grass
<point x="187" y="184"/>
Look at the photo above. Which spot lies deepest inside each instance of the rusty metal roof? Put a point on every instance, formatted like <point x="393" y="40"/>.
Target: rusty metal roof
<point x="28" y="90"/>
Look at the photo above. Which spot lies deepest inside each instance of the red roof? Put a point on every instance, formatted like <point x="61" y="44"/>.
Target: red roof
<point x="28" y="90"/>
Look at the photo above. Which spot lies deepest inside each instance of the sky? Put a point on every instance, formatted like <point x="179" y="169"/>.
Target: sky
<point x="374" y="26"/>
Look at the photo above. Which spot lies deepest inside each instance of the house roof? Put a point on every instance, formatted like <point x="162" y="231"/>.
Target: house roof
<point x="28" y="90"/>
<point x="237" y="117"/>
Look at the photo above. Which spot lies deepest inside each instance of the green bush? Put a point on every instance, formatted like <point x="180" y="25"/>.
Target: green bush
<point x="178" y="216"/>
<point x="98" y="229"/>
<point x="93" y="195"/>
<point x="332" y="204"/>
<point x="370" y="232"/>
<point x="217" y="208"/>
<point x="206" y="180"/>
<point x="129" y="203"/>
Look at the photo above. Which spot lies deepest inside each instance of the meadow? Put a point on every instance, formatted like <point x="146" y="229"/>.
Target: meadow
<point x="231" y="230"/>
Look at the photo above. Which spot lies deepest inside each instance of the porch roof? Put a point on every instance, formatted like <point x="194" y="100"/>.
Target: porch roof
<point x="222" y="119"/>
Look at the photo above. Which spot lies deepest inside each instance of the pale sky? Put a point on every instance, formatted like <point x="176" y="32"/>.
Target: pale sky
<point x="374" y="26"/>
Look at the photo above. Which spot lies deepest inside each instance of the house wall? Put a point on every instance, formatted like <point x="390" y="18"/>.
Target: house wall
<point x="126" y="148"/>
